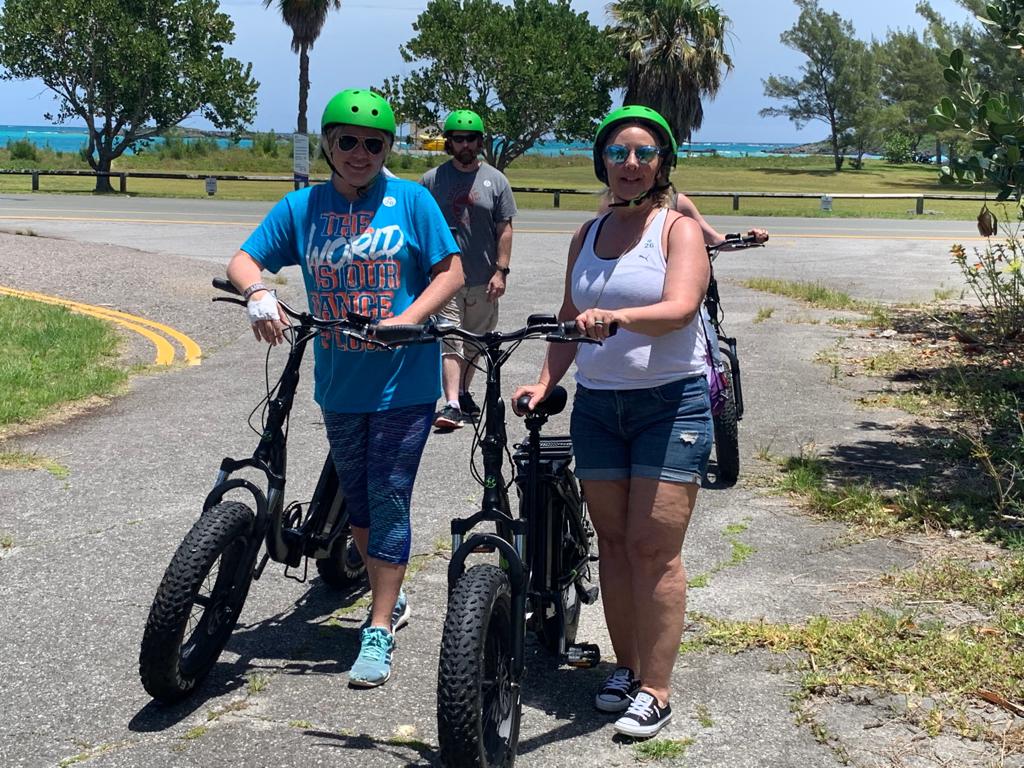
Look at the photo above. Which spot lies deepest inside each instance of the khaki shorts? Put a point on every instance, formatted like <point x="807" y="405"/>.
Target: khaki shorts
<point x="471" y="310"/>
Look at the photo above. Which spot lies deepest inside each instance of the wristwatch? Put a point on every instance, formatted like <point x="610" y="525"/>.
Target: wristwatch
<point x="503" y="270"/>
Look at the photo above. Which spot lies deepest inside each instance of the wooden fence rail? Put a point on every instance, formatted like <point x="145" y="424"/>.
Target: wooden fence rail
<point x="211" y="178"/>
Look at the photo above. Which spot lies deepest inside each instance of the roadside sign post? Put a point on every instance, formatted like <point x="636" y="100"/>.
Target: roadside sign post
<point x="300" y="159"/>
<point x="211" y="185"/>
<point x="826" y="202"/>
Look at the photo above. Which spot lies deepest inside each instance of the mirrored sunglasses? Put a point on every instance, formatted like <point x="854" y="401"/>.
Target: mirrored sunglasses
<point x="347" y="143"/>
<point x="619" y="153"/>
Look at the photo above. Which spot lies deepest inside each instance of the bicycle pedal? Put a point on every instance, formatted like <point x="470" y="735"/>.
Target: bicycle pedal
<point x="583" y="655"/>
<point x="589" y="595"/>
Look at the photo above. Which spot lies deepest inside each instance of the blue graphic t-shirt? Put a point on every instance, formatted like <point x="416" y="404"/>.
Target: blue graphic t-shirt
<point x="373" y="257"/>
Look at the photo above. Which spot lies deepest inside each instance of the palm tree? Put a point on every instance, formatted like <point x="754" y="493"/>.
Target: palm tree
<point x="674" y="52"/>
<point x="306" y="18"/>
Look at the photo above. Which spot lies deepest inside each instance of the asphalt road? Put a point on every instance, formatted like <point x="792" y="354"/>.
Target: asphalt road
<point x="89" y="547"/>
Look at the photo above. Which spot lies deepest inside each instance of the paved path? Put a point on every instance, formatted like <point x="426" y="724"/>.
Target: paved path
<point x="90" y="548"/>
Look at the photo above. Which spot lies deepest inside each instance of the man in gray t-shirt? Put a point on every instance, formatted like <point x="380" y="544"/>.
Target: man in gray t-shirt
<point x="477" y="202"/>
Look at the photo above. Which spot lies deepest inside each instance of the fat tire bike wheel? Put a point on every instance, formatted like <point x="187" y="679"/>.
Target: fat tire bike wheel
<point x="478" y="706"/>
<point x="727" y="437"/>
<point x="197" y="603"/>
<point x="343" y="566"/>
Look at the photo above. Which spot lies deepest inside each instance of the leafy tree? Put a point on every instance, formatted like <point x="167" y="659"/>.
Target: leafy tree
<point x="910" y="80"/>
<point x="129" y="70"/>
<point x="306" y="19"/>
<point x="836" y="76"/>
<point x="532" y="69"/>
<point x="675" y="54"/>
<point x="993" y="63"/>
<point x="992" y="119"/>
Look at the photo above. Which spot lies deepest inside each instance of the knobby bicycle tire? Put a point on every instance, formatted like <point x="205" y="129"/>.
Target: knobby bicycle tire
<point x="343" y="566"/>
<point x="478" y="708"/>
<point x="176" y="655"/>
<point x="727" y="438"/>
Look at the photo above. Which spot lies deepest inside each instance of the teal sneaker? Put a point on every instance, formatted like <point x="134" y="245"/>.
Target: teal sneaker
<point x="373" y="666"/>
<point x="399" y="616"/>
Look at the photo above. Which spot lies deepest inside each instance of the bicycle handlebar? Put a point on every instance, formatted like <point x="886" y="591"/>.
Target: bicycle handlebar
<point x="363" y="328"/>
<point x="735" y="242"/>
<point x="536" y="327"/>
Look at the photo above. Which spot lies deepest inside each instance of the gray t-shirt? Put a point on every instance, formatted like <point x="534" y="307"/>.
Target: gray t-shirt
<point x="473" y="204"/>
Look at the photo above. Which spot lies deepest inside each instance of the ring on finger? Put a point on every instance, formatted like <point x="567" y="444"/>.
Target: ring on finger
<point x="599" y="322"/>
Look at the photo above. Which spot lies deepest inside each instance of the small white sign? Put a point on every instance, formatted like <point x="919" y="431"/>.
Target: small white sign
<point x="300" y="163"/>
<point x="211" y="185"/>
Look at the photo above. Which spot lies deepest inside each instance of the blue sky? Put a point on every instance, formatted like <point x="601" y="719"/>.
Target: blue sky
<point x="359" y="47"/>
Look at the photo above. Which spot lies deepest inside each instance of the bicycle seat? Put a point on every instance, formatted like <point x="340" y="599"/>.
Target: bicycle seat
<point x="552" y="404"/>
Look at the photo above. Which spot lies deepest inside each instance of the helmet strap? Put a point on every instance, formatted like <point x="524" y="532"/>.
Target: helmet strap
<point x="657" y="189"/>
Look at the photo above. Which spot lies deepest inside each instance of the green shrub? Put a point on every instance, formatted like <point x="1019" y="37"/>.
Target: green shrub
<point x="23" y="149"/>
<point x="896" y="148"/>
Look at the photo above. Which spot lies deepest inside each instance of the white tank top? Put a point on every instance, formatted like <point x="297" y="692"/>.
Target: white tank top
<point x="630" y="360"/>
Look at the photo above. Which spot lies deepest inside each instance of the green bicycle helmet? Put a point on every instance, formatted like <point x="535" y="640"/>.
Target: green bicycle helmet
<point x="463" y="120"/>
<point x="635" y="114"/>
<point x="359" y="106"/>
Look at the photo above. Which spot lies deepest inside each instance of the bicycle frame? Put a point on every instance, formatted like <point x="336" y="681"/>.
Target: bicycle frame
<point x="288" y="537"/>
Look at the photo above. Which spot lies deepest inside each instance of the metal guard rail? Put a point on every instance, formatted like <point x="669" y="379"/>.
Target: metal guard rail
<point x="123" y="177"/>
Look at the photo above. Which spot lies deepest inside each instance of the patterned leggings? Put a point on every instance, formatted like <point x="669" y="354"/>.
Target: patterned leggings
<point x="377" y="456"/>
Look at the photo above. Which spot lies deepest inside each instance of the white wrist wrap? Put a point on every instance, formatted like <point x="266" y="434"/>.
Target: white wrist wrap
<point x="263" y="308"/>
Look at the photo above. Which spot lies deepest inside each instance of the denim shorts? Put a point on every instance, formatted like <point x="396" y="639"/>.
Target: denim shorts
<point x="662" y="432"/>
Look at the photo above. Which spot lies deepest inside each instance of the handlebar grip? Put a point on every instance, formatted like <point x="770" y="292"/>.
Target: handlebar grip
<point x="223" y="284"/>
<point x="414" y="333"/>
<point x="568" y="329"/>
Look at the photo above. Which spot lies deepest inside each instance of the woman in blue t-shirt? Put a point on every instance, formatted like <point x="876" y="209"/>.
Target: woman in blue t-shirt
<point x="377" y="245"/>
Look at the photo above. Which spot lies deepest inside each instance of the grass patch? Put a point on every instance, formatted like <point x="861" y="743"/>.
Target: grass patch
<point x="272" y="156"/>
<point x="704" y="716"/>
<point x="257" y="682"/>
<point x="764" y="313"/>
<point x="816" y="294"/>
<point x="32" y="461"/>
<point x="302" y="724"/>
<point x="739" y="553"/>
<point x="6" y="541"/>
<point x="195" y="733"/>
<point x="49" y="355"/>
<point x="900" y="652"/>
<point x="661" y="749"/>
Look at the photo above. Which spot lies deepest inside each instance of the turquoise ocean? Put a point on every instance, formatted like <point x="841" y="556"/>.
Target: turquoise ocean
<point x="72" y="138"/>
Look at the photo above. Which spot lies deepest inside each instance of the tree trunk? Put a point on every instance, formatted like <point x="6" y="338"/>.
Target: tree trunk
<point x="103" y="185"/>
<point x="835" y="152"/>
<point x="301" y="125"/>
<point x="938" y="151"/>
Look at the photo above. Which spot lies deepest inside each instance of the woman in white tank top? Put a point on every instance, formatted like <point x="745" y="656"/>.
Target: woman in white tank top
<point x="641" y="420"/>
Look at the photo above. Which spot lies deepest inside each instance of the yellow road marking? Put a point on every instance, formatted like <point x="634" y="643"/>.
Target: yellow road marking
<point x="140" y="325"/>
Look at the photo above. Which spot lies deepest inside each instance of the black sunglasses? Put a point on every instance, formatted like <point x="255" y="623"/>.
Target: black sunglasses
<point x="347" y="143"/>
<point x="463" y="138"/>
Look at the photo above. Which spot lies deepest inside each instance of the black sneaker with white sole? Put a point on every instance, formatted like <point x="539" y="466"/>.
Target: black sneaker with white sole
<point x="617" y="690"/>
<point x="449" y="417"/>
<point x="470" y="410"/>
<point x="644" y="718"/>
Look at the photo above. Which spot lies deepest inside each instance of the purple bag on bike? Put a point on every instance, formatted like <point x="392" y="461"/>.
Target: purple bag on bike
<point x="714" y="371"/>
